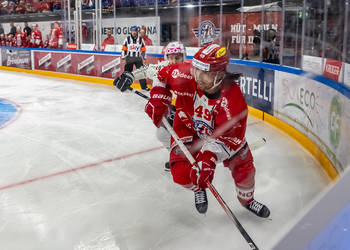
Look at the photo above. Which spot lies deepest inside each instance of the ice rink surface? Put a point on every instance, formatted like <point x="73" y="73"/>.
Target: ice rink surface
<point x="81" y="168"/>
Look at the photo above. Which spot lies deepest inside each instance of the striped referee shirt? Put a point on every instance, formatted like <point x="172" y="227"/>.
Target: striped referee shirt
<point x="133" y="47"/>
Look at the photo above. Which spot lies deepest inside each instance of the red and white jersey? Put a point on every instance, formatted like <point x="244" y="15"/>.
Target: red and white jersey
<point x="20" y="38"/>
<point x="36" y="39"/>
<point x="10" y="42"/>
<point x="175" y="77"/>
<point x="54" y="37"/>
<point x="3" y="42"/>
<point x="60" y="37"/>
<point x="219" y="120"/>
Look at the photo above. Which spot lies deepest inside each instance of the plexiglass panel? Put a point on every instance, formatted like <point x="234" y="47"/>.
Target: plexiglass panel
<point x="335" y="29"/>
<point x="292" y="33"/>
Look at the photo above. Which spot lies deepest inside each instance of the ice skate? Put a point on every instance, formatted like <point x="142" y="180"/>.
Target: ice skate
<point x="259" y="209"/>
<point x="167" y="167"/>
<point x="201" y="201"/>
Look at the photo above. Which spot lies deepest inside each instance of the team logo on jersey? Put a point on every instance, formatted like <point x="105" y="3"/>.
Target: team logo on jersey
<point x="206" y="32"/>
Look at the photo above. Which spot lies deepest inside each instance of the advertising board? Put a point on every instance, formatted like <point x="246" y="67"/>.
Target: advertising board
<point x="318" y="111"/>
<point x="257" y="86"/>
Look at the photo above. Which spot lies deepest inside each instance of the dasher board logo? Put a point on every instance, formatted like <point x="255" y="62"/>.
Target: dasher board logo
<point x="334" y="124"/>
<point x="45" y="61"/>
<point x="65" y="62"/>
<point x="112" y="66"/>
<point x="302" y="100"/>
<point x="206" y="32"/>
<point x="87" y="64"/>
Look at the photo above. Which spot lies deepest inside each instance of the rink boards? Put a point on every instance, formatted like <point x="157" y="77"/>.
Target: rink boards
<point x="310" y="108"/>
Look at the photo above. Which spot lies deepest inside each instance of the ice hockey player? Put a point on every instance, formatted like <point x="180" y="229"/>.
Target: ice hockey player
<point x="36" y="37"/>
<point x="56" y="37"/>
<point x="174" y="53"/>
<point x="211" y="116"/>
<point x="20" y="37"/>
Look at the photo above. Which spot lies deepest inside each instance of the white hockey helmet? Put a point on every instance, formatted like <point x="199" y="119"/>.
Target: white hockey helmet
<point x="174" y="48"/>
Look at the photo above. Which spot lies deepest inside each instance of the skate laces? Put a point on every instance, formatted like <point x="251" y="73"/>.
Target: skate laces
<point x="255" y="206"/>
<point x="199" y="197"/>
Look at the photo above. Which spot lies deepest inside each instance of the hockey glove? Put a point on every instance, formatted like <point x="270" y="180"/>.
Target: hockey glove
<point x="207" y="162"/>
<point x="158" y="104"/>
<point x="124" y="81"/>
<point x="185" y="118"/>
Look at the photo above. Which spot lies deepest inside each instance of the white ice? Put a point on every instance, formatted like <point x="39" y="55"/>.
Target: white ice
<point x="68" y="180"/>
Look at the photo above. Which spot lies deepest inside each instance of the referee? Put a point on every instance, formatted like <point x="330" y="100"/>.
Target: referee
<point x="134" y="52"/>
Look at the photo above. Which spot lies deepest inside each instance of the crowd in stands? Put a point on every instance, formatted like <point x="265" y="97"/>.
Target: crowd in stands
<point x="8" y="7"/>
<point x="28" y="6"/>
<point x="31" y="37"/>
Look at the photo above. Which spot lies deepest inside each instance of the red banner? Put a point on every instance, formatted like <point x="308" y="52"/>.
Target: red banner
<point x="332" y="69"/>
<point x="107" y="66"/>
<point x="72" y="46"/>
<point x="243" y="33"/>
<point x="234" y="32"/>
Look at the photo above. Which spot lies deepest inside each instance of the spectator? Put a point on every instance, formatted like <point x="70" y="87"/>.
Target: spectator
<point x="2" y="39"/>
<point x="145" y="37"/>
<point x="36" y="6"/>
<point x="10" y="41"/>
<point x="8" y="7"/>
<point x="88" y="4"/>
<point x="20" y="37"/>
<point x="29" y="6"/>
<point x="47" y="42"/>
<point x="45" y="6"/>
<point x="108" y="40"/>
<point x="27" y="29"/>
<point x="56" y="5"/>
<point x="12" y="29"/>
<point x="36" y="37"/>
<point x="21" y="7"/>
<point x="2" y="7"/>
<point x="1" y="29"/>
<point x="270" y="50"/>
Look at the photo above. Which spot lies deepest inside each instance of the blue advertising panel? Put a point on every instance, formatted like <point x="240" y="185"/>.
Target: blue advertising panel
<point x="257" y="86"/>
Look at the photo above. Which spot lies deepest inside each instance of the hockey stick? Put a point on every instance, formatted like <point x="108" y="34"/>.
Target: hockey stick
<point x="140" y="94"/>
